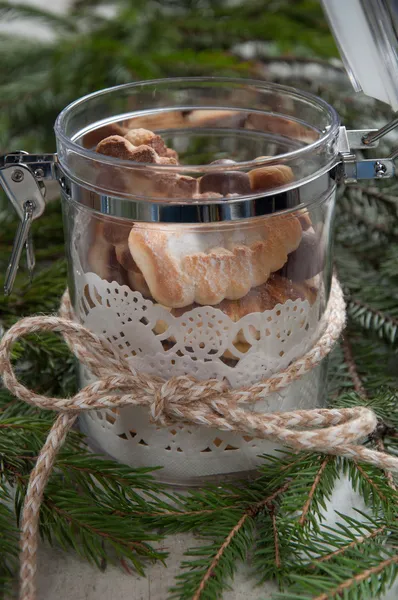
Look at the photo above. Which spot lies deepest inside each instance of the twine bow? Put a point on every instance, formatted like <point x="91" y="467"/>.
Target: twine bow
<point x="209" y="403"/>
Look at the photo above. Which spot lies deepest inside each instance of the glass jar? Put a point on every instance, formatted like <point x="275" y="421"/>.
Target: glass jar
<point x="210" y="258"/>
<point x="198" y="219"/>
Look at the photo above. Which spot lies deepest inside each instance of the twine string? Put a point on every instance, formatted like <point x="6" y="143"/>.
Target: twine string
<point x="208" y="403"/>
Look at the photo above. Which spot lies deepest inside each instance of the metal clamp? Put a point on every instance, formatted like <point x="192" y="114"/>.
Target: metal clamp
<point x="43" y="166"/>
<point x="351" y="168"/>
<point x="21" y="176"/>
<point x="373" y="136"/>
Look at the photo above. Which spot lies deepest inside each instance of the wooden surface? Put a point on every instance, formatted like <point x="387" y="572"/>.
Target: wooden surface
<point x="63" y="576"/>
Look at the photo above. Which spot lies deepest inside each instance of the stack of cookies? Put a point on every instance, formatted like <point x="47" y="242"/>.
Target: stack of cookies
<point x="240" y="268"/>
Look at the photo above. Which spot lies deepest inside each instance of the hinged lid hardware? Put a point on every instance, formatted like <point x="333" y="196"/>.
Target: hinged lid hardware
<point x="351" y="168"/>
<point x="43" y="166"/>
<point x="375" y="135"/>
<point x="21" y="176"/>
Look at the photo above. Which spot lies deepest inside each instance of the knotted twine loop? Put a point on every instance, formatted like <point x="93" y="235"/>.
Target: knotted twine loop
<point x="180" y="399"/>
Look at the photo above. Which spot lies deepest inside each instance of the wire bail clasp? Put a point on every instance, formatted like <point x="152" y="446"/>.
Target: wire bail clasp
<point x="351" y="169"/>
<point x="21" y="176"/>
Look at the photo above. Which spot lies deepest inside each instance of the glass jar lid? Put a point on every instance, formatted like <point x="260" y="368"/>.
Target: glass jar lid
<point x="366" y="34"/>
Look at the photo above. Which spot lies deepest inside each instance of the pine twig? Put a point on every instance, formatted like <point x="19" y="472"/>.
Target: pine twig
<point x="218" y="556"/>
<point x="370" y="482"/>
<point x="125" y="566"/>
<point x="357" y="308"/>
<point x="278" y="563"/>
<point x="314" y="486"/>
<point x="352" y="368"/>
<point x="348" y="583"/>
<point x="102" y="534"/>
<point x="390" y="478"/>
<point x="361" y="217"/>
<point x="360" y="390"/>
<point x="252" y="511"/>
<point x="174" y="513"/>
<point x="8" y="404"/>
<point x="379" y="313"/>
<point x="388" y="199"/>
<point x="343" y="549"/>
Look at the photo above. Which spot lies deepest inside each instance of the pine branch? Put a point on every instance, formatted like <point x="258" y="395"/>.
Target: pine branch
<point x="93" y="472"/>
<point x="360" y="390"/>
<point x="373" y="486"/>
<point x="312" y="482"/>
<point x="79" y="505"/>
<point x="354" y="582"/>
<point x="376" y="491"/>
<point x="349" y="536"/>
<point x="389" y="200"/>
<point x="359" y="546"/>
<point x="390" y="477"/>
<point x="370" y="318"/>
<point x="378" y="225"/>
<point x="219" y="555"/>
<point x="205" y="581"/>
<point x="97" y="532"/>
<point x="373" y="208"/>
<point x="343" y="549"/>
<point x="389" y="267"/>
<point x="274" y="549"/>
<point x="352" y="368"/>
<point x="278" y="563"/>
<point x="171" y="521"/>
<point x="15" y="60"/>
<point x="370" y="482"/>
<point x="207" y="574"/>
<point x="375" y="364"/>
<point x="8" y="541"/>
<point x="317" y="480"/>
<point x="11" y="12"/>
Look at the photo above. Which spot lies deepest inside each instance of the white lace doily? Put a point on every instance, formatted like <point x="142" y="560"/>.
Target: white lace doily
<point x="195" y="343"/>
<point x="199" y="340"/>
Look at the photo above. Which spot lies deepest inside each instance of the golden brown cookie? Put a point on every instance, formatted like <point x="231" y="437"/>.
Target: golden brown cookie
<point x="137" y="283"/>
<point x="216" y="118"/>
<point x="92" y="138"/>
<point x="304" y="218"/>
<point x="120" y="147"/>
<point x="277" y="290"/>
<point x="134" y="276"/>
<point x="124" y="257"/>
<point x="281" y="126"/>
<point x="102" y="261"/>
<point x="149" y="183"/>
<point x="267" y="178"/>
<point x="183" y="266"/>
<point x="140" y="136"/>
<point x="172" y="119"/>
<point x="113" y="231"/>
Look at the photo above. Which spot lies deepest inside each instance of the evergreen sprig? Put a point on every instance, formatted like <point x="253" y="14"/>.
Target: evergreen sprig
<point x="213" y="563"/>
<point x="8" y="540"/>
<point x="107" y="512"/>
<point x="351" y="560"/>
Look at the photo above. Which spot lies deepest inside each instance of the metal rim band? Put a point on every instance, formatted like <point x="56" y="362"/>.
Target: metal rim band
<point x="300" y="197"/>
